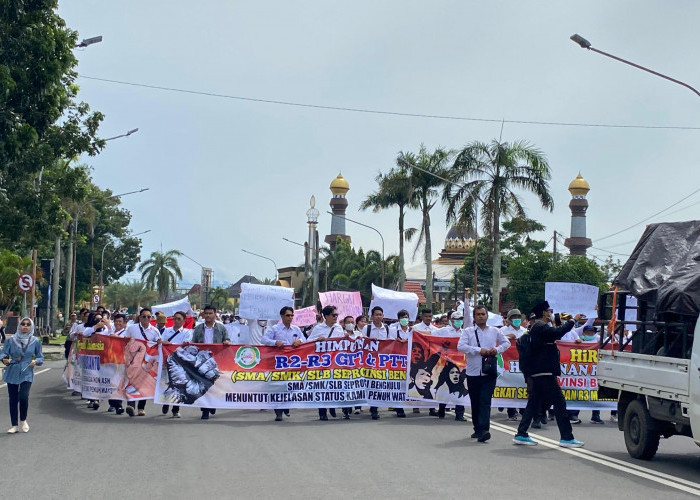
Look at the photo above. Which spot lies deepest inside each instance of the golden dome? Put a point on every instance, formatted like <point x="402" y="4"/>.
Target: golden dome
<point x="340" y="185"/>
<point x="579" y="186"/>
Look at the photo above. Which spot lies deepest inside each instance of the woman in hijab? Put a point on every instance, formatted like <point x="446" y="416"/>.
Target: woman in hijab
<point x="20" y="355"/>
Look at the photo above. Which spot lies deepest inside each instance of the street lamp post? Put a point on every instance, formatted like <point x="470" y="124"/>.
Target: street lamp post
<point x="89" y="41"/>
<point x="373" y="229"/>
<point x="132" y="131"/>
<point x="585" y="44"/>
<point x="267" y="258"/>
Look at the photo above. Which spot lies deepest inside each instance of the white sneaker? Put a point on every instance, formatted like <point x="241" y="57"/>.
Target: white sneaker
<point x="25" y="426"/>
<point x="613" y="418"/>
<point x="13" y="430"/>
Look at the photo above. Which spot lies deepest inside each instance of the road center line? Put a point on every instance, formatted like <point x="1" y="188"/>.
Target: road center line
<point x="35" y="373"/>
<point x="629" y="468"/>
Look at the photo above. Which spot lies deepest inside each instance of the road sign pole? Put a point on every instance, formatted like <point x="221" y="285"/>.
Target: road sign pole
<point x="31" y="312"/>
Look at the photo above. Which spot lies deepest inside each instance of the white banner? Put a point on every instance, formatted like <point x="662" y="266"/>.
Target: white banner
<point x="392" y="302"/>
<point x="264" y="301"/>
<point x="171" y="308"/>
<point x="572" y="298"/>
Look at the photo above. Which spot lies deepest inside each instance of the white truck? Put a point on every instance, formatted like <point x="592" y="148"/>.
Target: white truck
<point x="654" y="371"/>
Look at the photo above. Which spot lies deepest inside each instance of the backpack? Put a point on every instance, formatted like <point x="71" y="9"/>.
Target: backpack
<point x="526" y="353"/>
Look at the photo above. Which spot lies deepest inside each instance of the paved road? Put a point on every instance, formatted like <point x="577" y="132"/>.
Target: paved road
<point x="73" y="452"/>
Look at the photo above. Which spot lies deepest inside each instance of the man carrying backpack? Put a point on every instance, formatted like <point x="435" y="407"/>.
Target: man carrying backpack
<point x="539" y="363"/>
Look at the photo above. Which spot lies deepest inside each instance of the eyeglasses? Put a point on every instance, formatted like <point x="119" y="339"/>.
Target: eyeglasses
<point x="146" y="317"/>
<point x="289" y="315"/>
<point x="25" y="324"/>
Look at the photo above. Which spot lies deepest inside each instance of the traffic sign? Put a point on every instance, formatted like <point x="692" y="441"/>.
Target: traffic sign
<point x="25" y="282"/>
<point x="96" y="299"/>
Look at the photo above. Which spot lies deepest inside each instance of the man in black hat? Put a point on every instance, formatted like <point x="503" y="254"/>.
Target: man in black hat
<point x="541" y="367"/>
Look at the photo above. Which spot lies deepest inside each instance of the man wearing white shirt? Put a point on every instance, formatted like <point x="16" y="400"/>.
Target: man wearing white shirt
<point x="478" y="342"/>
<point x="454" y="329"/>
<point x="175" y="334"/>
<point x="143" y="330"/>
<point x="209" y="332"/>
<point x="119" y="321"/>
<point x="326" y="330"/>
<point x="329" y="328"/>
<point x="283" y="334"/>
<point x="426" y="326"/>
<point x="513" y="330"/>
<point x="376" y="329"/>
<point x="379" y="331"/>
<point x="400" y="330"/>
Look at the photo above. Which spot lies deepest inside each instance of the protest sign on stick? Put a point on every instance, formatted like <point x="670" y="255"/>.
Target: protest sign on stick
<point x="264" y="301"/>
<point x="305" y="316"/>
<point x="572" y="298"/>
<point x="347" y="303"/>
<point x="392" y="302"/>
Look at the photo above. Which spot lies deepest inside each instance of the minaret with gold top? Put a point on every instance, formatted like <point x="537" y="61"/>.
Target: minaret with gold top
<point x="339" y="187"/>
<point x="577" y="243"/>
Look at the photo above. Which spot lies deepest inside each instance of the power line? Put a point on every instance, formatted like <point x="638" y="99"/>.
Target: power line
<point x="650" y="217"/>
<point x="383" y="112"/>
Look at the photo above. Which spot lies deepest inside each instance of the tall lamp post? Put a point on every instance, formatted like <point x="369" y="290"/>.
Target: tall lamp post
<point x="585" y="44"/>
<point x="266" y="258"/>
<point x="368" y="227"/>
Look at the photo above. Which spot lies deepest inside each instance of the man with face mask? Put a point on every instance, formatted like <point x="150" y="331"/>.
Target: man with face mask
<point x="513" y="330"/>
<point x="453" y="329"/>
<point x="400" y="330"/>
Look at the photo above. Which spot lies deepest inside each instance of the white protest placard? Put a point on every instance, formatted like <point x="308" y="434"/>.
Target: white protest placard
<point x="305" y="316"/>
<point x="572" y="298"/>
<point x="264" y="301"/>
<point x="392" y="302"/>
<point x="347" y="303"/>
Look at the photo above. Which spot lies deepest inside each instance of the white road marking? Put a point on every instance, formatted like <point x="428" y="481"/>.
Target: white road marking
<point x="614" y="463"/>
<point x="35" y="373"/>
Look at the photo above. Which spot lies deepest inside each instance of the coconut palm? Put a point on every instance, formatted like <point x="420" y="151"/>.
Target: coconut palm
<point x="161" y="272"/>
<point x="394" y="190"/>
<point x="136" y="294"/>
<point x="488" y="175"/>
<point x="218" y="298"/>
<point x="425" y="180"/>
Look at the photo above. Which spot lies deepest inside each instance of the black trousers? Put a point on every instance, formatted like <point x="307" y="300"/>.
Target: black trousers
<point x="115" y="403"/>
<point x="480" y="393"/>
<point x="19" y="397"/>
<point x="541" y="391"/>
<point x="140" y="404"/>
<point x="66" y="348"/>
<point x="176" y="409"/>
<point x="459" y="410"/>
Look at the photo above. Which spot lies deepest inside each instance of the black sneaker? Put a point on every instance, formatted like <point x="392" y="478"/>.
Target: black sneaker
<point x="474" y="435"/>
<point x="119" y="411"/>
<point x="332" y="412"/>
<point x="323" y="417"/>
<point x="460" y="418"/>
<point x="400" y="413"/>
<point x="130" y="411"/>
<point x="536" y="424"/>
<point x="433" y="413"/>
<point x="278" y="418"/>
<point x="484" y="437"/>
<point x="164" y="409"/>
<point x="212" y="411"/>
<point x="205" y="415"/>
<point x="346" y="416"/>
<point x="286" y="412"/>
<point x="375" y="416"/>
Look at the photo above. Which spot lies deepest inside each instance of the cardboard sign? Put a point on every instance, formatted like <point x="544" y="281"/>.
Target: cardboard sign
<point x="347" y="303"/>
<point x="572" y="298"/>
<point x="264" y="301"/>
<point x="305" y="316"/>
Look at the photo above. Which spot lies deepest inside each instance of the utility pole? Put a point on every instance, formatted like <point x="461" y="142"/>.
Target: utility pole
<point x="554" y="251"/>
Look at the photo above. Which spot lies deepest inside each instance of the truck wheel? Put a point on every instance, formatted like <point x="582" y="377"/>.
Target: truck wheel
<point x="641" y="437"/>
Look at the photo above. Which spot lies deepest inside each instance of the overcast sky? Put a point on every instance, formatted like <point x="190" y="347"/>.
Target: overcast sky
<point x="227" y="174"/>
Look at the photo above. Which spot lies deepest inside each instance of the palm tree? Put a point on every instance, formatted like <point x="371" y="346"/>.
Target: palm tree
<point x="394" y="190"/>
<point x="161" y="272"/>
<point x="489" y="174"/>
<point x="218" y="297"/>
<point x="427" y="176"/>
<point x="136" y="294"/>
